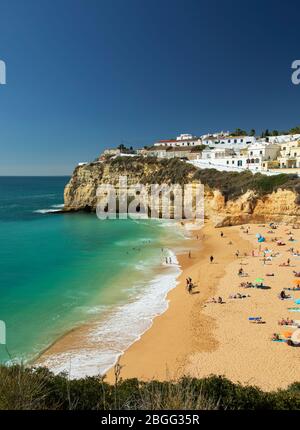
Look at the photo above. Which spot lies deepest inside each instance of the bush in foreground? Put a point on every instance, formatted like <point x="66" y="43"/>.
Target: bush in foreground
<point x="27" y="388"/>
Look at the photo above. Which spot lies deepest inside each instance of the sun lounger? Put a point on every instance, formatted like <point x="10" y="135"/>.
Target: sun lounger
<point x="257" y="320"/>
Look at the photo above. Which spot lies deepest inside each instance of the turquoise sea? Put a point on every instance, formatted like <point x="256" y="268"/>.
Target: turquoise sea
<point x="58" y="271"/>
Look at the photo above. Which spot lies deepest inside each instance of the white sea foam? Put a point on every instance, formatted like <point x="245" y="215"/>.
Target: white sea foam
<point x="53" y="208"/>
<point x="46" y="211"/>
<point x="60" y="206"/>
<point x="121" y="327"/>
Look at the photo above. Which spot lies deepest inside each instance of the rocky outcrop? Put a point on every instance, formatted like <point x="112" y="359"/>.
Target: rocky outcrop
<point x="279" y="206"/>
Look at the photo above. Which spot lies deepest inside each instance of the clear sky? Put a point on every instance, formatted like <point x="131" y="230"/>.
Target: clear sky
<point x="83" y="75"/>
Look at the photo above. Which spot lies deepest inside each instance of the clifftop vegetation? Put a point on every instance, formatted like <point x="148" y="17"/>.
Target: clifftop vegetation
<point x="151" y="170"/>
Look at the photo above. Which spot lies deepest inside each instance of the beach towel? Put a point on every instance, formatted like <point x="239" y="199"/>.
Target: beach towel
<point x="254" y="318"/>
<point x="294" y="309"/>
<point x="278" y="340"/>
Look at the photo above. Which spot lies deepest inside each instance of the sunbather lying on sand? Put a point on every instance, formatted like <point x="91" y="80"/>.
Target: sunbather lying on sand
<point x="286" y="321"/>
<point x="246" y="285"/>
<point x="238" y="296"/>
<point x="241" y="273"/>
<point x="218" y="300"/>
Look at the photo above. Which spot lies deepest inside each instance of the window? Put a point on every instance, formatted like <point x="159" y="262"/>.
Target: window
<point x="232" y="161"/>
<point x="260" y="152"/>
<point x="235" y="140"/>
<point x="227" y="162"/>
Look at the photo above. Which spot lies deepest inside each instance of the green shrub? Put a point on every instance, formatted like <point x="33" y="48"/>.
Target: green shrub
<point x="27" y="388"/>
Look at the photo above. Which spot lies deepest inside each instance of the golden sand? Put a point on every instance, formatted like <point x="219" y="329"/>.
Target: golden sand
<point x="197" y="338"/>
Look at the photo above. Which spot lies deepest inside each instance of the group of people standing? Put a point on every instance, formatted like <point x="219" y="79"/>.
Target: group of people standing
<point x="189" y="285"/>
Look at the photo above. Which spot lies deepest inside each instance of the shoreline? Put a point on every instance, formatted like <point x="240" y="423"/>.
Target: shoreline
<point x="79" y="344"/>
<point x="173" y="321"/>
<point x="195" y="338"/>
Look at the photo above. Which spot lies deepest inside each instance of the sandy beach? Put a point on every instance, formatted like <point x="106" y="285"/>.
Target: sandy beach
<point x="198" y="338"/>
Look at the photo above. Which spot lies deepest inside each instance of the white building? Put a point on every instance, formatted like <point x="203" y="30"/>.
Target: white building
<point x="253" y="157"/>
<point x="283" y="138"/>
<point x="229" y="141"/>
<point x="216" y="135"/>
<point x="182" y="140"/>
<point x="289" y="157"/>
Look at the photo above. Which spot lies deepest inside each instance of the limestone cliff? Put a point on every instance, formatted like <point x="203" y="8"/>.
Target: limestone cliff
<point x="224" y="204"/>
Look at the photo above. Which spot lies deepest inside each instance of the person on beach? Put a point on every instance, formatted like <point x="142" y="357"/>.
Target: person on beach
<point x="237" y="254"/>
<point x="190" y="255"/>
<point x="288" y="261"/>
<point x="222" y="234"/>
<point x="211" y="259"/>
<point x="188" y="283"/>
<point x="283" y="296"/>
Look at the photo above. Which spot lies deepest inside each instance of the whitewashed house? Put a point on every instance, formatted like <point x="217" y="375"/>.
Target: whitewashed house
<point x="253" y="157"/>
<point x="182" y="140"/>
<point x="229" y="141"/>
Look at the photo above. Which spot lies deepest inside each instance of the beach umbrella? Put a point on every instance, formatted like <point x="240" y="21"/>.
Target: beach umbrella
<point x="296" y="281"/>
<point x="297" y="302"/>
<point x="287" y="333"/>
<point x="296" y="337"/>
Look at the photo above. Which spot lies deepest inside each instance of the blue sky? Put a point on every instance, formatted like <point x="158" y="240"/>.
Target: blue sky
<point x="83" y="75"/>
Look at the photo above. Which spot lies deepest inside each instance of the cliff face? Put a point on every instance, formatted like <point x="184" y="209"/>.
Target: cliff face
<point x="279" y="206"/>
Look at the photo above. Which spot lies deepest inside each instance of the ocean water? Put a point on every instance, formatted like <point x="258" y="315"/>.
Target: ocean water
<point x="58" y="271"/>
